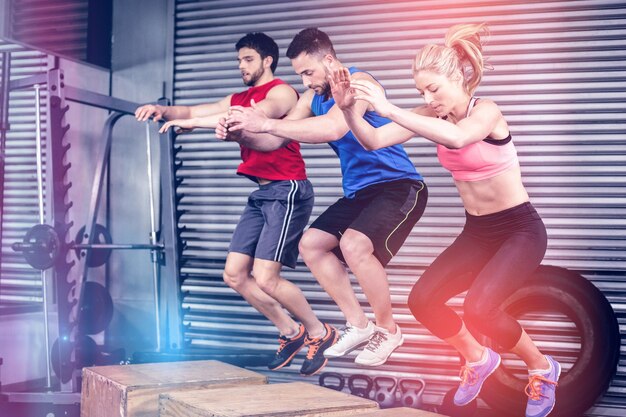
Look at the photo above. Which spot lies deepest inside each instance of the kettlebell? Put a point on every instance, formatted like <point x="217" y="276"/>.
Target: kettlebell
<point x="360" y="391"/>
<point x="450" y="409"/>
<point x="385" y="391"/>
<point x="411" y="391"/>
<point x="325" y="376"/>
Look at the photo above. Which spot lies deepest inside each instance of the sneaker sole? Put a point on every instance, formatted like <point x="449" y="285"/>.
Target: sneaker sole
<point x="318" y="370"/>
<point x="345" y="352"/>
<point x="287" y="362"/>
<point x="481" y="386"/>
<point x="380" y="362"/>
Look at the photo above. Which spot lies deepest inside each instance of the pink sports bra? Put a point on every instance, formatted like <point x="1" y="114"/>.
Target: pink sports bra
<point x="480" y="160"/>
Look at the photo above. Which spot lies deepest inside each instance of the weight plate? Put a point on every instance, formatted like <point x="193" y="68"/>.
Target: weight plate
<point x="96" y="308"/>
<point x="97" y="257"/>
<point x="45" y="246"/>
<point x="85" y="353"/>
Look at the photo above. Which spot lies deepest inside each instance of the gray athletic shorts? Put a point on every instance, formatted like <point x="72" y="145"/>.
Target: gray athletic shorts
<point x="272" y="223"/>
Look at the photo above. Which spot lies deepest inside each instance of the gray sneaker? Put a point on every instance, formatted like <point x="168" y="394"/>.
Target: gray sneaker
<point x="351" y="338"/>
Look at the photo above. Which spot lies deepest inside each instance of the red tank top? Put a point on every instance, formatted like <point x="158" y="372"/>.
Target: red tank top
<point x="285" y="163"/>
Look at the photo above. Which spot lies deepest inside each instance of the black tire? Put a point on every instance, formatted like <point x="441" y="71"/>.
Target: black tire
<point x="558" y="290"/>
<point x="448" y="408"/>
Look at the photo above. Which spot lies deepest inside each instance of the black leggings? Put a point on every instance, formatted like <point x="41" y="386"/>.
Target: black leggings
<point x="493" y="257"/>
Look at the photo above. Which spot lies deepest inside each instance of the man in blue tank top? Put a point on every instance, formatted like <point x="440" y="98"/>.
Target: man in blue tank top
<point x="384" y="197"/>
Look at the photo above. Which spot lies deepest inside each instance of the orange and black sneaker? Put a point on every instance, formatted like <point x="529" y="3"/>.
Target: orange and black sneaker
<point x="315" y="359"/>
<point x="287" y="349"/>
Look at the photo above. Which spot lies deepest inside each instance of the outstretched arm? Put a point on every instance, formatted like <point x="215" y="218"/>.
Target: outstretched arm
<point x="278" y="102"/>
<point x="263" y="142"/>
<point x="474" y="128"/>
<point x="370" y="137"/>
<point x="298" y="126"/>
<point x="158" y="112"/>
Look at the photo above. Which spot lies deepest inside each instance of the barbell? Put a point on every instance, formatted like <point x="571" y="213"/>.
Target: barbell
<point x="41" y="246"/>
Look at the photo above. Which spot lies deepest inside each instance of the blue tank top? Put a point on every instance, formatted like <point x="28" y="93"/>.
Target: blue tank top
<point x="361" y="168"/>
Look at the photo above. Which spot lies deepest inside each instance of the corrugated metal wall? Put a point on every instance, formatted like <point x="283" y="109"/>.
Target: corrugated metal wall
<point x="58" y="26"/>
<point x="20" y="284"/>
<point x="559" y="78"/>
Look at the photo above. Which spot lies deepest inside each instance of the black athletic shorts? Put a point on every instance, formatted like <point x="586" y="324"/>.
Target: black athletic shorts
<point x="384" y="212"/>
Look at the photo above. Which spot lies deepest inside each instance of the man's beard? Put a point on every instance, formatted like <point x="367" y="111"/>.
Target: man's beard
<point x="325" y="90"/>
<point x="254" y="77"/>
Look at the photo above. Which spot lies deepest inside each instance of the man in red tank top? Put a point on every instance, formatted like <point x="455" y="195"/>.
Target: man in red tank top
<point x="267" y="234"/>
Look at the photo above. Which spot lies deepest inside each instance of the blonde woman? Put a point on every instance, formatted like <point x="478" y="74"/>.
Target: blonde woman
<point x="503" y="240"/>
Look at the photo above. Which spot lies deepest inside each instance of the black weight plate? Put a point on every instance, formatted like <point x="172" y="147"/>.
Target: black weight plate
<point x="46" y="246"/>
<point x="96" y="310"/>
<point x="85" y="353"/>
<point x="61" y="359"/>
<point x="97" y="257"/>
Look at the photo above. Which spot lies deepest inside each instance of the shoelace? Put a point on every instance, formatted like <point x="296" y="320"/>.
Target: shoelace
<point x="533" y="389"/>
<point x="468" y="376"/>
<point x="344" y="333"/>
<point x="282" y="340"/>
<point x="314" y="346"/>
<point x="376" y="340"/>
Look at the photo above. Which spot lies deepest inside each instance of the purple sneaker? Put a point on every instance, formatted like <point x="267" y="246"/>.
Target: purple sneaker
<point x="541" y="390"/>
<point x="473" y="377"/>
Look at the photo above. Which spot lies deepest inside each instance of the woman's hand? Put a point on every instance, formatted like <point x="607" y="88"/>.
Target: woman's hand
<point x="373" y="94"/>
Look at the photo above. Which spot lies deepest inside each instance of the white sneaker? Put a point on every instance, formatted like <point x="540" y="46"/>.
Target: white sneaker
<point x="351" y="338"/>
<point x="380" y="346"/>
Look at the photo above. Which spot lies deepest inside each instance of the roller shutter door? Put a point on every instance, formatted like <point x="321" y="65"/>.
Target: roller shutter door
<point x="59" y="26"/>
<point x="559" y="79"/>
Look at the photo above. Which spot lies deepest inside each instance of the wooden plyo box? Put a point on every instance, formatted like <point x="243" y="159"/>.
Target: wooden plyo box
<point x="397" y="412"/>
<point x="133" y="390"/>
<point x="291" y="399"/>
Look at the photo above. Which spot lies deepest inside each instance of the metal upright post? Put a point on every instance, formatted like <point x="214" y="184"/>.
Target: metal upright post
<point x="4" y="127"/>
<point x="44" y="284"/>
<point x="38" y="152"/>
<point x="170" y="271"/>
<point x="154" y="258"/>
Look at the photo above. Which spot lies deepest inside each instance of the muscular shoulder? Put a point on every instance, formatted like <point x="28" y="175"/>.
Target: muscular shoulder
<point x="486" y="106"/>
<point x="364" y="76"/>
<point x="302" y="109"/>
<point x="307" y="96"/>
<point x="360" y="75"/>
<point x="487" y="113"/>
<point x="282" y="91"/>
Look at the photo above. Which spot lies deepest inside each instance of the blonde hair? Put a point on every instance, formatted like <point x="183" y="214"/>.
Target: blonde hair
<point x="460" y="55"/>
